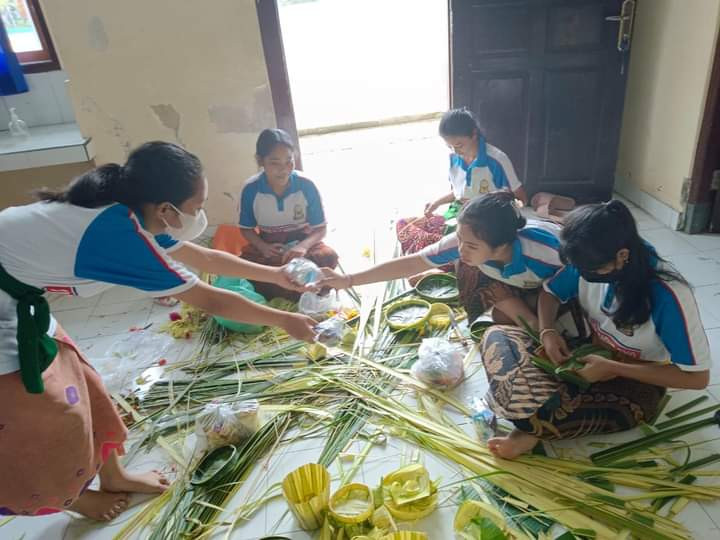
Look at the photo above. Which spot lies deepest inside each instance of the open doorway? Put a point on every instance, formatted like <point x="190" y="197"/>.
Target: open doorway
<point x="355" y="63"/>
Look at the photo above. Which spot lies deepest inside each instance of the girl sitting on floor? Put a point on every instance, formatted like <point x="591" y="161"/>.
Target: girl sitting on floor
<point x="636" y="306"/>
<point x="476" y="168"/>
<point x="281" y="213"/>
<point x="502" y="260"/>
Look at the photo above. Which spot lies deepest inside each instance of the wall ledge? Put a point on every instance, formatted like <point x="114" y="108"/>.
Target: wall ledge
<point x="47" y="145"/>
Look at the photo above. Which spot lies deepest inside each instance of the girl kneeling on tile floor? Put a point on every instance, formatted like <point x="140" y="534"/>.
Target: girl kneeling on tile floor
<point x="126" y="225"/>
<point x="636" y="305"/>
<point x="501" y="259"/>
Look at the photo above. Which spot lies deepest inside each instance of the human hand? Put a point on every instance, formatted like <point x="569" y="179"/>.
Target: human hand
<point x="430" y="208"/>
<point x="555" y="347"/>
<point x="283" y="280"/>
<point x="334" y="280"/>
<point x="300" y="326"/>
<point x="597" y="368"/>
<point x="270" y="251"/>
<point x="296" y="251"/>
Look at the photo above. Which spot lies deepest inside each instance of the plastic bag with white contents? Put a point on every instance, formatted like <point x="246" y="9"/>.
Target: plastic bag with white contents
<point x="330" y="332"/>
<point x="220" y="424"/>
<point x="317" y="305"/>
<point x="484" y="419"/>
<point x="439" y="363"/>
<point x="302" y="271"/>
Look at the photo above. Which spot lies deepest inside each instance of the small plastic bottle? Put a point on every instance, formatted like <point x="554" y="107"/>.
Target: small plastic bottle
<point x="17" y="127"/>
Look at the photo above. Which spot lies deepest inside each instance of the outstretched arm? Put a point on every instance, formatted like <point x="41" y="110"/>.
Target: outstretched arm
<point x="401" y="267"/>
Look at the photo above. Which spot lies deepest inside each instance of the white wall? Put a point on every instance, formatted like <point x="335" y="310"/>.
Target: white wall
<point x="671" y="58"/>
<point x="177" y="70"/>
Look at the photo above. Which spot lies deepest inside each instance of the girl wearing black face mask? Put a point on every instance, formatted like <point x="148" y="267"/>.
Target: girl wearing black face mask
<point x="636" y="306"/>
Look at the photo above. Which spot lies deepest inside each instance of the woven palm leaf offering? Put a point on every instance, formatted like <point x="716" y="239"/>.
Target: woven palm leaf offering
<point x="307" y="492"/>
<point x="408" y="493"/>
<point x="407" y="314"/>
<point x="568" y="371"/>
<point x="476" y="520"/>
<point x="406" y="535"/>
<point x="351" y="508"/>
<point x="438" y="288"/>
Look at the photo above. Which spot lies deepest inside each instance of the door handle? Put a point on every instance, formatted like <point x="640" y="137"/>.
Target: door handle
<point x="626" y="18"/>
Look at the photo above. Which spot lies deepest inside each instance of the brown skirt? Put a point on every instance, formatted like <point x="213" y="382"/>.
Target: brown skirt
<point x="548" y="408"/>
<point x="53" y="444"/>
<point x="321" y="254"/>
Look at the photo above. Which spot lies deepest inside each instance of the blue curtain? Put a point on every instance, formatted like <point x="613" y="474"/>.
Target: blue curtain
<point x="12" y="80"/>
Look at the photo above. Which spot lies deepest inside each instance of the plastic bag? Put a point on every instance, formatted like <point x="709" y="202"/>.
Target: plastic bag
<point x="302" y="271"/>
<point x="439" y="363"/>
<point x="484" y="419"/>
<point x="220" y="424"/>
<point x="127" y="358"/>
<point x="330" y="332"/>
<point x="318" y="306"/>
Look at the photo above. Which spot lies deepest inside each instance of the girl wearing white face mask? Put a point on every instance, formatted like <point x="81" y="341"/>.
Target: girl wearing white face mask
<point x="116" y="225"/>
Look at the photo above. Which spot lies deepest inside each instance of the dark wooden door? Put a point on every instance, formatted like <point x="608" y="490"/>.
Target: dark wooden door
<point x="547" y="80"/>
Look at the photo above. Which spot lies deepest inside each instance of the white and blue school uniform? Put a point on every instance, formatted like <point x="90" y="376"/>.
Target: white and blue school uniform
<point x="673" y="333"/>
<point x="298" y="207"/>
<point x="73" y="250"/>
<point x="491" y="170"/>
<point x="535" y="256"/>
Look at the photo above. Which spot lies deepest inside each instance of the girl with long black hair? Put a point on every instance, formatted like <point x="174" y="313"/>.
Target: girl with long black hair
<point x="636" y="306"/>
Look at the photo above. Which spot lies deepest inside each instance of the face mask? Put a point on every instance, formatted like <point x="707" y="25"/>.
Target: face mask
<point x="594" y="277"/>
<point x="191" y="226"/>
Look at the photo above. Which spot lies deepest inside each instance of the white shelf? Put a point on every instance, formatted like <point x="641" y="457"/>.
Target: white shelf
<point x="47" y="145"/>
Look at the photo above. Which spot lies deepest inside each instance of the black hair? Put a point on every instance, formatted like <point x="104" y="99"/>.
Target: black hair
<point x="155" y="172"/>
<point x="269" y="139"/>
<point x="493" y="217"/>
<point x="460" y="123"/>
<point x="591" y="238"/>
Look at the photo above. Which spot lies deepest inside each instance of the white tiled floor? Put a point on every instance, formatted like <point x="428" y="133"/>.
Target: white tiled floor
<point x="99" y="322"/>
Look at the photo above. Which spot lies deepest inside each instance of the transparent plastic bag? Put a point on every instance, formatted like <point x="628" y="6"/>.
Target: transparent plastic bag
<point x="330" y="332"/>
<point x="127" y="358"/>
<point x="484" y="419"/>
<point x="220" y="424"/>
<point x="439" y="363"/>
<point x="318" y="306"/>
<point x="302" y="271"/>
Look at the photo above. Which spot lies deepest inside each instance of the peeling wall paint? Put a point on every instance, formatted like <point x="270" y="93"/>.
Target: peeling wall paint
<point x="138" y="72"/>
<point x="97" y="38"/>
<point x="170" y="118"/>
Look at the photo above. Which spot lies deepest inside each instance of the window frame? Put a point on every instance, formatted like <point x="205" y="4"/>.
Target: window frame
<point x="45" y="59"/>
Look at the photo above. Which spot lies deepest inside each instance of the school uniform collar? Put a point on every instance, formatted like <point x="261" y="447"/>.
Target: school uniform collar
<point x="515" y="266"/>
<point x="481" y="159"/>
<point x="292" y="187"/>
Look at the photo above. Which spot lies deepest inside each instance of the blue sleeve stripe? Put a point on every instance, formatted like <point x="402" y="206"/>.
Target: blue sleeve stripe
<point x="674" y="331"/>
<point x="541" y="268"/>
<point x="247" y="201"/>
<point x="499" y="175"/>
<point x="564" y="284"/>
<point x="152" y="249"/>
<point x="444" y="257"/>
<point x="540" y="236"/>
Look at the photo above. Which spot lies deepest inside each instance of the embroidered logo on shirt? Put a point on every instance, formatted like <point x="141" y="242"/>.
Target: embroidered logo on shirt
<point x="299" y="212"/>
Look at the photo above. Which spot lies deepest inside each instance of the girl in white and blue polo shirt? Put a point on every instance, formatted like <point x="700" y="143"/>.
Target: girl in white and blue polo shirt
<point x="636" y="305"/>
<point x="476" y="168"/>
<point x="281" y="213"/>
<point x="502" y="260"/>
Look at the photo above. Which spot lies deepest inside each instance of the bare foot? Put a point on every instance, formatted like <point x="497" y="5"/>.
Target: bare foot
<point x="123" y="481"/>
<point x="100" y="506"/>
<point x="512" y="446"/>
